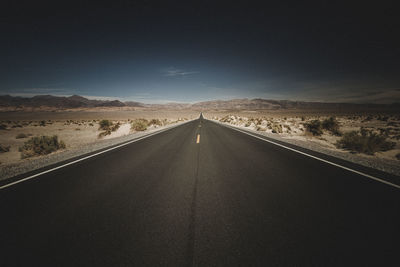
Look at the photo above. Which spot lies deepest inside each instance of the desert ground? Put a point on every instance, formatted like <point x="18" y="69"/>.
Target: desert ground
<point x="291" y="125"/>
<point x="76" y="128"/>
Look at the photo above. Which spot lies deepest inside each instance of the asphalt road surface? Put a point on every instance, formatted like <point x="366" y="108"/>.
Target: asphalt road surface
<point x="219" y="199"/>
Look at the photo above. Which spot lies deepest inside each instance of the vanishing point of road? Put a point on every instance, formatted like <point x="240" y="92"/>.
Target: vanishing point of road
<point x="200" y="194"/>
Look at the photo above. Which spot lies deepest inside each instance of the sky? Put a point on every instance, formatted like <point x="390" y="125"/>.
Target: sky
<point x="189" y="51"/>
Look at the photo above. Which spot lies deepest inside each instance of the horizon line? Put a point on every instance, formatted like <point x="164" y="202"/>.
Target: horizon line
<point x="168" y="101"/>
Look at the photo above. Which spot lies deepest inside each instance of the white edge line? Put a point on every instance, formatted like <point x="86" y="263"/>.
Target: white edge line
<point x="314" y="157"/>
<point x="89" y="156"/>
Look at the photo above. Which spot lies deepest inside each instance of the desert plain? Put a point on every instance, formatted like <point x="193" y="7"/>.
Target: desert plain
<point x="326" y="130"/>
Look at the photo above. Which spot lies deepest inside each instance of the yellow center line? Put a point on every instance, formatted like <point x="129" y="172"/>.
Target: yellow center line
<point x="198" y="139"/>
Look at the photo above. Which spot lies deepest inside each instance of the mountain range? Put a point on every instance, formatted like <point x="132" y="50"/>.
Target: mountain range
<point x="61" y="102"/>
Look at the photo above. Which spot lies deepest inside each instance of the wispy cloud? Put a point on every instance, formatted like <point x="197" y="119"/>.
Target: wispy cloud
<point x="174" y="72"/>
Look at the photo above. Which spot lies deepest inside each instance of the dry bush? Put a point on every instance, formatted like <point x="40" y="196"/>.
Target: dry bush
<point x="382" y="118"/>
<point x="227" y="118"/>
<point x="368" y="118"/>
<point x="392" y="123"/>
<point x="155" y="122"/>
<point x="277" y="128"/>
<point x="314" y="127"/>
<point x="21" y="135"/>
<point x="107" y="127"/>
<point x="248" y="123"/>
<point x="17" y="125"/>
<point x="364" y="141"/>
<point x="139" y="124"/>
<point x="105" y="124"/>
<point x="4" y="148"/>
<point x="41" y="146"/>
<point x="331" y="125"/>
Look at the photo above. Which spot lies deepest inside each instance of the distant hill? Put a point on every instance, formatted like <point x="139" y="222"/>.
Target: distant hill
<point x="268" y="104"/>
<point x="60" y="102"/>
<point x="8" y="102"/>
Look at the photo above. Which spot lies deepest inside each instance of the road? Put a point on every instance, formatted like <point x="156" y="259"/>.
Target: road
<point x="221" y="199"/>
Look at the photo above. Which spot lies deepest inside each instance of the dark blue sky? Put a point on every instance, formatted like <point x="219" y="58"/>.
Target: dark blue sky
<point x="190" y="51"/>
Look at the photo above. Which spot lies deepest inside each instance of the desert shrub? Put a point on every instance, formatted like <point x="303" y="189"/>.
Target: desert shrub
<point x="398" y="156"/>
<point x="303" y="118"/>
<point x="107" y="127"/>
<point x="368" y="118"/>
<point x="382" y="118"/>
<point x="385" y="131"/>
<point x="227" y="118"/>
<point x="364" y="141"/>
<point x="4" y="148"/>
<point x="139" y="125"/>
<point x="331" y="125"/>
<point x="154" y="122"/>
<point x="287" y="127"/>
<point x="314" y="127"/>
<point x="104" y="133"/>
<point x="42" y="123"/>
<point x="276" y="128"/>
<point x="21" y="135"/>
<point x="105" y="124"/>
<point x="392" y="123"/>
<point x="3" y="127"/>
<point x="91" y="124"/>
<point x="41" y="146"/>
